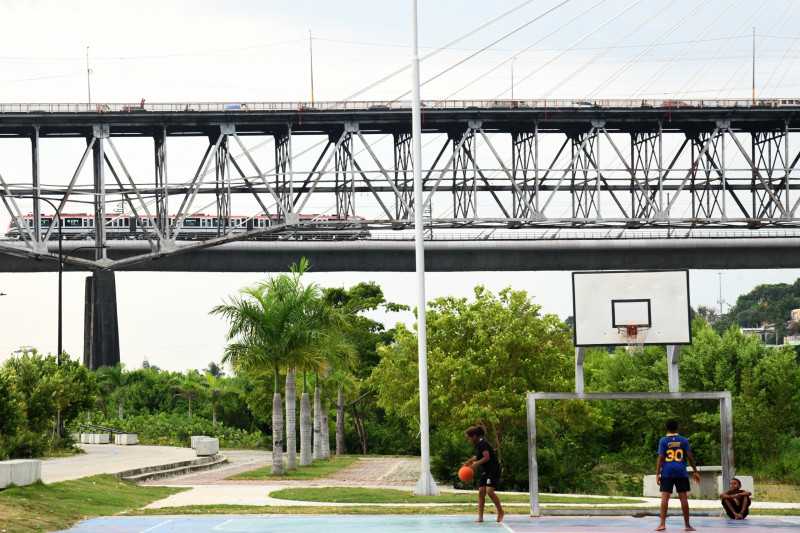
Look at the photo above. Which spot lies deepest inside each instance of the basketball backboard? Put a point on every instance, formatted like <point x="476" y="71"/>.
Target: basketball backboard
<point x="607" y="306"/>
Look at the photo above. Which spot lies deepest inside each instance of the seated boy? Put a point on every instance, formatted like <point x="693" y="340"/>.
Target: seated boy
<point x="736" y="501"/>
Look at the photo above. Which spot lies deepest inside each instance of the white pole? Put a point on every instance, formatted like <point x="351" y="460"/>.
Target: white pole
<point x="426" y="485"/>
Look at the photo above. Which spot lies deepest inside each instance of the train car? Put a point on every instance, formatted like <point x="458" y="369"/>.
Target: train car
<point x="195" y="227"/>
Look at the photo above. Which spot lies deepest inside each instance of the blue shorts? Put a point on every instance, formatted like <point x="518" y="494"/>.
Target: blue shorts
<point x="681" y="484"/>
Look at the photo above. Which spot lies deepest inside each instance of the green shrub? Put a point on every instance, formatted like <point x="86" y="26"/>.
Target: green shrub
<point x="173" y="429"/>
<point x="24" y="445"/>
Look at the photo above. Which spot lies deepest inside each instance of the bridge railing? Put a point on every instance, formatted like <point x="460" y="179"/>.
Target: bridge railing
<point x="389" y="105"/>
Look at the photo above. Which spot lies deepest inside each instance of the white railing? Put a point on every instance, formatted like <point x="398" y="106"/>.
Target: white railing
<point x="389" y="105"/>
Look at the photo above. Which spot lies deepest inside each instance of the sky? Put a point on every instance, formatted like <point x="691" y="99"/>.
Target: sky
<point x="202" y="51"/>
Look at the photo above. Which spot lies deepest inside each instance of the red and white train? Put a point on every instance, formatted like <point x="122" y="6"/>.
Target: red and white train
<point x="196" y="227"/>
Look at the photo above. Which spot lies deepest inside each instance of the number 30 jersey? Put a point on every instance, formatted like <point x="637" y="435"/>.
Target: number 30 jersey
<point x="674" y="448"/>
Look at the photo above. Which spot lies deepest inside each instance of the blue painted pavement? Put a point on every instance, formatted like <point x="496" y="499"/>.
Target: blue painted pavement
<point x="422" y="524"/>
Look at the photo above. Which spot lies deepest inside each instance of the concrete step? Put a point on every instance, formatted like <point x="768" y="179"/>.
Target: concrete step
<point x="138" y="475"/>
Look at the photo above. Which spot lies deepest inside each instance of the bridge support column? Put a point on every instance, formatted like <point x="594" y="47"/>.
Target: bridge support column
<point x="100" y="327"/>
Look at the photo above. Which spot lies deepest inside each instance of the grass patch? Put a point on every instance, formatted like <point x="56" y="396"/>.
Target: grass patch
<point x="57" y="506"/>
<point x="316" y="470"/>
<point x="368" y="496"/>
<point x="774" y="492"/>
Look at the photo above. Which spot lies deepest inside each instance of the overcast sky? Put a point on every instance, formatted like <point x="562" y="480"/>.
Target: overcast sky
<point x="201" y="51"/>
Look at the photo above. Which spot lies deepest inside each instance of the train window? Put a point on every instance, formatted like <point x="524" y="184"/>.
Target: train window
<point x="215" y="222"/>
<point x="91" y="222"/>
<point x="45" y="222"/>
<point x="191" y="222"/>
<point x="72" y="222"/>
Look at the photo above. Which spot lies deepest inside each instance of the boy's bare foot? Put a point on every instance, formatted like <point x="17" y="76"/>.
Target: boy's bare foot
<point x="738" y="516"/>
<point x="479" y="519"/>
<point x="689" y="528"/>
<point x="500" y="516"/>
<point x="662" y="527"/>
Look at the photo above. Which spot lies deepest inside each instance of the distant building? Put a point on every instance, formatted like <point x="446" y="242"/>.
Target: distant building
<point x="145" y="363"/>
<point x="22" y="349"/>
<point x="761" y="331"/>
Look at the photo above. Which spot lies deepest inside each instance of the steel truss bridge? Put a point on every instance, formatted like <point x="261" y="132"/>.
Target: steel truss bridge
<point x="542" y="184"/>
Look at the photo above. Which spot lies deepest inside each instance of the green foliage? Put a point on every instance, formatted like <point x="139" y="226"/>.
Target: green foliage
<point x="33" y="389"/>
<point x="24" y="445"/>
<point x="10" y="408"/>
<point x="176" y="429"/>
<point x="764" y="383"/>
<point x="483" y="356"/>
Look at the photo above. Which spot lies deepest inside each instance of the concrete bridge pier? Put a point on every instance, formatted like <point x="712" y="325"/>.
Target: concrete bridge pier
<point x="100" y="326"/>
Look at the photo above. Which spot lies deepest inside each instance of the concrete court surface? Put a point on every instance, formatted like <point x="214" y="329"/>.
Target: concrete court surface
<point x="424" y="524"/>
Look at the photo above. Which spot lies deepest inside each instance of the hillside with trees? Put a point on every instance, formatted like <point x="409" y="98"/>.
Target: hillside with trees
<point x="766" y="304"/>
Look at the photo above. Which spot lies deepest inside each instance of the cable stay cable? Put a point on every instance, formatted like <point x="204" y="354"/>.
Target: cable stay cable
<point x="507" y="35"/>
<point x="586" y="36"/>
<point x="441" y="48"/>
<point x="698" y="75"/>
<point x="785" y="53"/>
<point x="520" y="52"/>
<point x="608" y="48"/>
<point x="681" y="53"/>
<point x="677" y="24"/>
<point x="785" y="70"/>
<point x="763" y="44"/>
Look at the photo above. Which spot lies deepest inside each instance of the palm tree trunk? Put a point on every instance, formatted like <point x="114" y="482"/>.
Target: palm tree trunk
<point x="305" y="430"/>
<point x="213" y="413"/>
<point x="326" y="433"/>
<point x="190" y="407"/>
<point x="291" y="408"/>
<point x="120" y="410"/>
<point x="317" y="425"/>
<point x="277" y="435"/>
<point x="340" y="447"/>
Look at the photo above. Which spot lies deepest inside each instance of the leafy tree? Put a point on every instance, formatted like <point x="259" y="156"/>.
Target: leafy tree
<point x="214" y="369"/>
<point x="365" y="334"/>
<point x="10" y="412"/>
<point x="32" y="375"/>
<point x="483" y="357"/>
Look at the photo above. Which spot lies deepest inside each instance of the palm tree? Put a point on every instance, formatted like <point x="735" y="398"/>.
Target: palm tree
<point x="291" y="410"/>
<point x="215" y="387"/>
<point x="189" y="389"/>
<point x="270" y="329"/>
<point x="345" y="383"/>
<point x="338" y="353"/>
<point x="114" y="379"/>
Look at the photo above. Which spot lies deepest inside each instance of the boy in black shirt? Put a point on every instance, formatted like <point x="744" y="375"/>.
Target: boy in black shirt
<point x="490" y="475"/>
<point x="736" y="501"/>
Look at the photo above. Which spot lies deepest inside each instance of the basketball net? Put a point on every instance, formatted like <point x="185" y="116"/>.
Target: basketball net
<point x="633" y="336"/>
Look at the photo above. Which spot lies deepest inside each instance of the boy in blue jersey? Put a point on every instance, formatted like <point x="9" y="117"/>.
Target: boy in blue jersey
<point x="673" y="452"/>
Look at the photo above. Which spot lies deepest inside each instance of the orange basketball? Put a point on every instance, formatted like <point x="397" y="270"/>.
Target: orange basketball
<point x="465" y="474"/>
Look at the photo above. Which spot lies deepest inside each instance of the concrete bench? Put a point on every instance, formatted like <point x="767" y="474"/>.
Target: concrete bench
<point x="20" y="472"/>
<point x="94" y="438"/>
<point x="747" y="484"/>
<point x="206" y="446"/>
<point x="194" y="439"/>
<point x="126" y="439"/>
<point x="704" y="490"/>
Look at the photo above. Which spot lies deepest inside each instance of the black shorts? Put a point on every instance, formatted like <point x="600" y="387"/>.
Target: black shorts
<point x="490" y="479"/>
<point x="736" y="508"/>
<point x="681" y="484"/>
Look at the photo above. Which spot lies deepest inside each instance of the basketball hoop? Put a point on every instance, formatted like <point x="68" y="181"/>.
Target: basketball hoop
<point x="633" y="336"/>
